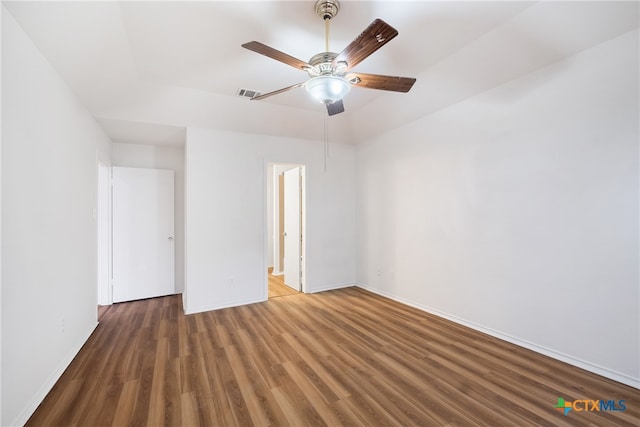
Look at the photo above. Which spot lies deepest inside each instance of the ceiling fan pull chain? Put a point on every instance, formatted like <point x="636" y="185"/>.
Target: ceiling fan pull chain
<point x="326" y="140"/>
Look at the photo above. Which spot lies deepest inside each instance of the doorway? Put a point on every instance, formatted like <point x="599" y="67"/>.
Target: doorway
<point x="286" y="272"/>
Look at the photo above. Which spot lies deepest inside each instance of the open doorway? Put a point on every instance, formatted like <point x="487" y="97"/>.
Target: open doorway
<point x="286" y="274"/>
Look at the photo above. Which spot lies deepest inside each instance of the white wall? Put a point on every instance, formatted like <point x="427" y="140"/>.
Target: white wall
<point x="226" y="238"/>
<point x="49" y="149"/>
<point x="160" y="157"/>
<point x="516" y="211"/>
<point x="1" y="137"/>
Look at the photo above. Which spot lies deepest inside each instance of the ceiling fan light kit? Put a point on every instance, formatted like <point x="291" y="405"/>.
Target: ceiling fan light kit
<point x="330" y="76"/>
<point x="328" y="89"/>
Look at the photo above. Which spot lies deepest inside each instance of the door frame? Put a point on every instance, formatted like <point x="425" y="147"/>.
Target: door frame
<point x="270" y="168"/>
<point x="103" y="246"/>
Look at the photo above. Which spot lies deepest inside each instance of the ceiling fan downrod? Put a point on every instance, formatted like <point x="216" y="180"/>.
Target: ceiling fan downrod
<point x="327" y="9"/>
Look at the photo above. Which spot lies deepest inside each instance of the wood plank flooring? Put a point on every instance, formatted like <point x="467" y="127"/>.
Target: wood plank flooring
<point x="277" y="288"/>
<point x="344" y="357"/>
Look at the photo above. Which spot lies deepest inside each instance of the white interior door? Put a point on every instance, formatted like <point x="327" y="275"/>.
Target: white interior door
<point x="292" y="228"/>
<point x="143" y="239"/>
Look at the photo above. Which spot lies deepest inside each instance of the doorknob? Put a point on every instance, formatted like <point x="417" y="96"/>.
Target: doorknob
<point x="170" y="238"/>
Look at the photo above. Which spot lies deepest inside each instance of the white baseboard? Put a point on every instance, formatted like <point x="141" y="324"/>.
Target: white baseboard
<point x="329" y="288"/>
<point x="588" y="366"/>
<point x="28" y="411"/>
<point x="221" y="306"/>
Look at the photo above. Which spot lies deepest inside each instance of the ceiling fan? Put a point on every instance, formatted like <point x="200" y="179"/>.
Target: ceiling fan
<point x="330" y="75"/>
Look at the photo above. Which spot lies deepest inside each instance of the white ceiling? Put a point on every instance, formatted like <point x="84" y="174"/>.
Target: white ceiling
<point x="146" y="70"/>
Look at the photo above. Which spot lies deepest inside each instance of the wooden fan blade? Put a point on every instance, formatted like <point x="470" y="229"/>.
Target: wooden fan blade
<point x="275" y="92"/>
<point x="336" y="107"/>
<point x="376" y="35"/>
<point x="272" y="53"/>
<point x="375" y="81"/>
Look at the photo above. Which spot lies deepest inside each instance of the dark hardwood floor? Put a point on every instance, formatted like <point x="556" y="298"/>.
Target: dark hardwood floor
<point x="344" y="357"/>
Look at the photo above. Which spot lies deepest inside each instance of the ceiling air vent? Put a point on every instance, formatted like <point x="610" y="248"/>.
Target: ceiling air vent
<point x="248" y="93"/>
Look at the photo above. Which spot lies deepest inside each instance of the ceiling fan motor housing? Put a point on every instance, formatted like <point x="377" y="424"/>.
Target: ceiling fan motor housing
<point x="327" y="9"/>
<point x="322" y="64"/>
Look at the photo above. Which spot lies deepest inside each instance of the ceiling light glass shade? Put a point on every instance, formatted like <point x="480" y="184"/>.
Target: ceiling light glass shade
<point x="328" y="89"/>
